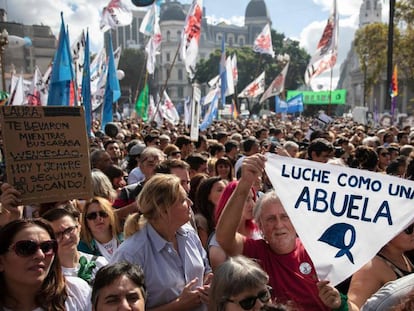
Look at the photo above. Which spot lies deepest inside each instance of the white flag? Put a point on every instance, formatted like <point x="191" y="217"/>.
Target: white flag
<point x="34" y="97"/>
<point x="342" y="215"/>
<point x="17" y="97"/>
<point x="115" y="14"/>
<point x="277" y="86"/>
<point x="255" y="88"/>
<point x="78" y="56"/>
<point x="98" y="78"/>
<point x="263" y="42"/>
<point x="168" y="110"/>
<point x="154" y="113"/>
<point x="327" y="49"/>
<point x="229" y="76"/>
<point x="191" y="36"/>
<point x="195" y="112"/>
<point x="150" y="19"/>
<point x="153" y="48"/>
<point x="234" y="69"/>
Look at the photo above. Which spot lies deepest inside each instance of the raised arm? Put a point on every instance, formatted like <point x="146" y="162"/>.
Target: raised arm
<point x="11" y="207"/>
<point x="226" y="230"/>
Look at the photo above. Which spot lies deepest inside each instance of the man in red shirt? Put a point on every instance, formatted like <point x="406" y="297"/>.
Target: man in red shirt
<point x="280" y="252"/>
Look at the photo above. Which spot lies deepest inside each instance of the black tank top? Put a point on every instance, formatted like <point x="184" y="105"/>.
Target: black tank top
<point x="398" y="272"/>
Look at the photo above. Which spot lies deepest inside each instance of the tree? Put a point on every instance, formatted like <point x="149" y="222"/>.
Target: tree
<point x="132" y="62"/>
<point x="251" y="64"/>
<point x="371" y="47"/>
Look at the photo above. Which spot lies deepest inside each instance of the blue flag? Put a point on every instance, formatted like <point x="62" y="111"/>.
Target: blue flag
<point x="62" y="72"/>
<point x="112" y="89"/>
<point x="280" y="105"/>
<point x="86" y="87"/>
<point x="295" y="104"/>
<point x="223" y="73"/>
<point x="210" y="114"/>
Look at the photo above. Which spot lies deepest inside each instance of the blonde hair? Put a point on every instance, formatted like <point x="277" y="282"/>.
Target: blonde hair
<point x="159" y="193"/>
<point x="106" y="206"/>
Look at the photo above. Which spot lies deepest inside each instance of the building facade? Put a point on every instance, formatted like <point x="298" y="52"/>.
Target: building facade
<point x="352" y="76"/>
<point x="170" y="67"/>
<point x="25" y="59"/>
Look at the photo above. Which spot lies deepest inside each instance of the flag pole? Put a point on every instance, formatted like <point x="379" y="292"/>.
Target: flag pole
<point x="164" y="87"/>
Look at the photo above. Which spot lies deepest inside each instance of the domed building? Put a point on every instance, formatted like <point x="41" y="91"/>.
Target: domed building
<point x="172" y="18"/>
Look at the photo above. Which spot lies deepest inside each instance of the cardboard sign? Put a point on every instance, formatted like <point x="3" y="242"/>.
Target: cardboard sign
<point x="46" y="152"/>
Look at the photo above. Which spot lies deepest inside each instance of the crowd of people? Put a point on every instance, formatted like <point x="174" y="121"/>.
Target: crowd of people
<point x="177" y="224"/>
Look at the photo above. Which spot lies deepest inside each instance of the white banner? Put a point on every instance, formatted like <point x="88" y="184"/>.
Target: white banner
<point x="343" y="216"/>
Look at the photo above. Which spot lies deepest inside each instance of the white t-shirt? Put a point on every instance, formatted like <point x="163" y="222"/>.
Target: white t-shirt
<point x="100" y="262"/>
<point x="79" y="295"/>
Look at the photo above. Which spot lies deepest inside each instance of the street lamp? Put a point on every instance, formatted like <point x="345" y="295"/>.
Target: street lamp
<point x="4" y="41"/>
<point x="365" y="79"/>
<point x="390" y="52"/>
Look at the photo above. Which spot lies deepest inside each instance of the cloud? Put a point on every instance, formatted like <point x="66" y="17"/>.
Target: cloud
<point x="78" y="15"/>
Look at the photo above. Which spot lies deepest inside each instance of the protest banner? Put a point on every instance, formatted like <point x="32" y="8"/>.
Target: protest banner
<point x="46" y="152"/>
<point x="342" y="215"/>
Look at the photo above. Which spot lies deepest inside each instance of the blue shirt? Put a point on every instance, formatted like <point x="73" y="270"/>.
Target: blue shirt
<point x="166" y="271"/>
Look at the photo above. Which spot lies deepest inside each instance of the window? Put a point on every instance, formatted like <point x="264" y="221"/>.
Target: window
<point x="180" y="92"/>
<point x="180" y="74"/>
<point x="168" y="35"/>
<point x="168" y="56"/>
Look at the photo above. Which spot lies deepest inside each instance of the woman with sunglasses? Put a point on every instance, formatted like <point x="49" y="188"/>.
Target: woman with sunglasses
<point x="30" y="274"/>
<point x="389" y="264"/>
<point x="67" y="232"/>
<point x="100" y="232"/>
<point x="167" y="247"/>
<point x="239" y="284"/>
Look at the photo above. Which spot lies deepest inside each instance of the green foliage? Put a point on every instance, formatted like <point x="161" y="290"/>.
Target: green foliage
<point x="251" y="64"/>
<point x="371" y="47"/>
<point x="132" y="62"/>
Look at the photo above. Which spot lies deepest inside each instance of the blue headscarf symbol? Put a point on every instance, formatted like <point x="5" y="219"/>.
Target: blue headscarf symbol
<point x="335" y="236"/>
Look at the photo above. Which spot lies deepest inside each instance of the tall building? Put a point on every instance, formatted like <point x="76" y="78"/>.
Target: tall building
<point x="352" y="76"/>
<point x="172" y="18"/>
<point x="25" y="59"/>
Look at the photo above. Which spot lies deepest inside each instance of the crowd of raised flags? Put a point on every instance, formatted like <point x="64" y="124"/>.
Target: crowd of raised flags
<point x="68" y="83"/>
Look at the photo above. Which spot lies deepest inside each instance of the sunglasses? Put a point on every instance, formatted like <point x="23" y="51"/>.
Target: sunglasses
<point x="68" y="231"/>
<point x="26" y="248"/>
<point x="249" y="302"/>
<point x="94" y="215"/>
<point x="174" y="153"/>
<point x="409" y="229"/>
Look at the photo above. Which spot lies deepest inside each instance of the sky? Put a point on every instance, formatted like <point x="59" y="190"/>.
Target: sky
<point x="301" y="20"/>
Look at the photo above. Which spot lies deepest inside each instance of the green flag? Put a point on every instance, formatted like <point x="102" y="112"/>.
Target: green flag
<point x="141" y="106"/>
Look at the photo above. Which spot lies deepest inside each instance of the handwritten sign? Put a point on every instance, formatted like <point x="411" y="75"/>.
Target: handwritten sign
<point x="342" y="215"/>
<point x="46" y="152"/>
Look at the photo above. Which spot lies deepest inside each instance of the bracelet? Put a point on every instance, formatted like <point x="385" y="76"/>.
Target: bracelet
<point x="344" y="303"/>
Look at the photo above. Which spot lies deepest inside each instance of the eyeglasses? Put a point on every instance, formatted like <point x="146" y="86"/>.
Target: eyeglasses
<point x="384" y="154"/>
<point x="249" y="302"/>
<point x="26" y="248"/>
<point x="409" y="229"/>
<point x="68" y="231"/>
<point x="94" y="215"/>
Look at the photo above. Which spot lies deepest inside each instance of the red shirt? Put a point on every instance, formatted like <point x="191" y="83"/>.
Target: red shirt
<point x="292" y="276"/>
